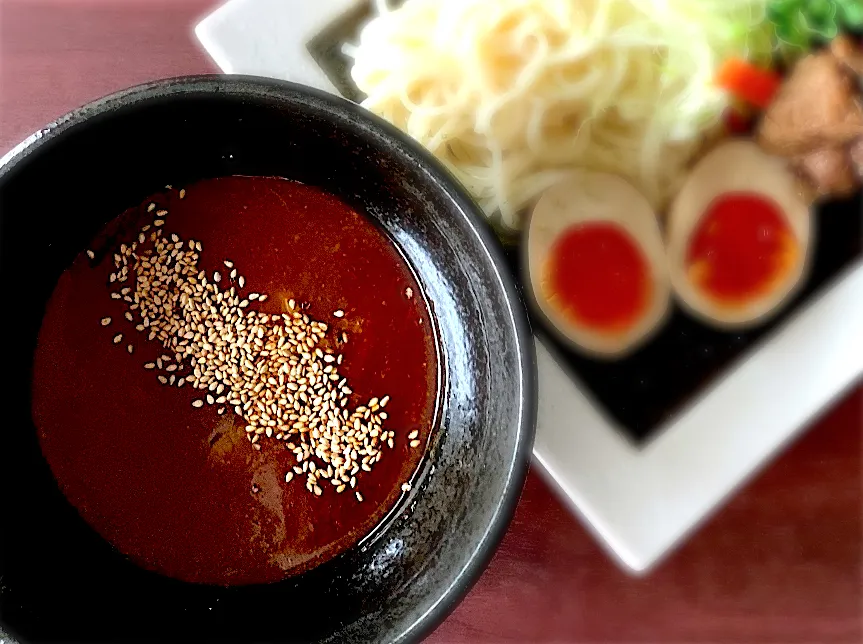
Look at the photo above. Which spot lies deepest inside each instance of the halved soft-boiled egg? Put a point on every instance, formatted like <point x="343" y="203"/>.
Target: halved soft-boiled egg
<point x="738" y="235"/>
<point x="596" y="262"/>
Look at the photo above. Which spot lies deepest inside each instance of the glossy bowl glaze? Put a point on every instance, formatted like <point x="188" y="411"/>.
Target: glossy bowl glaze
<point x="59" y="581"/>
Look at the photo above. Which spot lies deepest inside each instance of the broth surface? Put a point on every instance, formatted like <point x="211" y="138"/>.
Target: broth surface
<point x="180" y="490"/>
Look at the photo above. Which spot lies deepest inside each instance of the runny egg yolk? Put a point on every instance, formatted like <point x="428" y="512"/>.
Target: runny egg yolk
<point x="597" y="276"/>
<point x="741" y="248"/>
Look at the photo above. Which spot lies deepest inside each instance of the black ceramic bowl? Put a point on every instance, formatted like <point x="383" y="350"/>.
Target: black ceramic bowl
<point x="59" y="581"/>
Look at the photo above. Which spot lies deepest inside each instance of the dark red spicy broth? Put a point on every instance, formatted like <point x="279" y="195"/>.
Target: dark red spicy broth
<point x="181" y="490"/>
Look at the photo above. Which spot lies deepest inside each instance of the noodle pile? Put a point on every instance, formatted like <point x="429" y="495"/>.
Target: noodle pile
<point x="513" y="94"/>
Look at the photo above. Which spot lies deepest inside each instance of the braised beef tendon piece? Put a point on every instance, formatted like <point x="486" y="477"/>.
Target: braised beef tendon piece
<point x="855" y="150"/>
<point x="848" y="53"/>
<point x="816" y="120"/>
<point x="818" y="106"/>
<point x="830" y="170"/>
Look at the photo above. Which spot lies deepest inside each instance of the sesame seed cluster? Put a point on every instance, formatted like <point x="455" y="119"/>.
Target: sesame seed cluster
<point x="278" y="372"/>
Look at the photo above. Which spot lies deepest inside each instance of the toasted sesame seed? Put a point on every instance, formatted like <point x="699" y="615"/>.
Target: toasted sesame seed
<point x="406" y="487"/>
<point x="159" y="223"/>
<point x="229" y="263"/>
<point x="161" y="213"/>
<point x="359" y="497"/>
<point x="273" y="370"/>
<point x="415" y="443"/>
<point x="105" y="321"/>
<point x="409" y="292"/>
<point x="413" y="434"/>
<point x="339" y="313"/>
<point x="182" y="193"/>
<point x="151" y="207"/>
<point x="118" y="338"/>
<point x="217" y="276"/>
<point x="130" y="348"/>
<point x="91" y="254"/>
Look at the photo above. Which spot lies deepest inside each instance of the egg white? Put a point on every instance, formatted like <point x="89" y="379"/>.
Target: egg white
<point x="597" y="197"/>
<point x="736" y="166"/>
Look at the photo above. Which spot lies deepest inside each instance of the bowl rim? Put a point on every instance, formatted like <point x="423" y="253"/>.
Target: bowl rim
<point x="515" y="316"/>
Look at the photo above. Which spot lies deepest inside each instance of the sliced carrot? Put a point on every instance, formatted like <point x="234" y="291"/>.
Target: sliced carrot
<point x="747" y="82"/>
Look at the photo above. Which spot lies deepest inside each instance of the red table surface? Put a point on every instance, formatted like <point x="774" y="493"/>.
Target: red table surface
<point x="781" y="562"/>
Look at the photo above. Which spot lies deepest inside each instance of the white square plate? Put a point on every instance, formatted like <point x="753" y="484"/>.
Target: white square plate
<point x="640" y="501"/>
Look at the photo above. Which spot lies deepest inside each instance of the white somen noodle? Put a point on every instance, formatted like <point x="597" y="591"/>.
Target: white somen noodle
<point x="512" y="94"/>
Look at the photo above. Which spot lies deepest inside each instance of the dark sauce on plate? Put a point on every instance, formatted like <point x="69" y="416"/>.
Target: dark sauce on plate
<point x="180" y="490"/>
